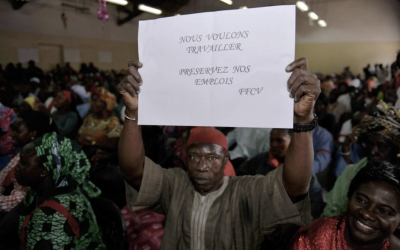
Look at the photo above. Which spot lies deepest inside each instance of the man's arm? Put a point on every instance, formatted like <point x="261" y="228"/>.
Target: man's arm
<point x="304" y="88"/>
<point x="130" y="146"/>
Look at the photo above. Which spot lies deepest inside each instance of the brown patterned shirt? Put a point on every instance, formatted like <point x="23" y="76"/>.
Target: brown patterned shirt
<point x="248" y="208"/>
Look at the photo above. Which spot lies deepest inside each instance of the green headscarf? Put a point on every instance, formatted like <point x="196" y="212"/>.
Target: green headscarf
<point x="66" y="163"/>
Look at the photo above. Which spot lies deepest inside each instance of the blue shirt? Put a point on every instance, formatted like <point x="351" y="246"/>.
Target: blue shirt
<point x="323" y="148"/>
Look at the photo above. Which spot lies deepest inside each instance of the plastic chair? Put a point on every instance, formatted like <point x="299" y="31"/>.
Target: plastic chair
<point x="111" y="222"/>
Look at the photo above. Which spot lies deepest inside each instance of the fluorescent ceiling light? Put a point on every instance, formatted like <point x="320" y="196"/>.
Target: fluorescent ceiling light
<point x="302" y="6"/>
<point x="149" y="9"/>
<point x="243" y="8"/>
<point x="313" y="16"/>
<point x="322" y="23"/>
<point x="120" y="2"/>
<point x="227" y="1"/>
<point x="177" y="14"/>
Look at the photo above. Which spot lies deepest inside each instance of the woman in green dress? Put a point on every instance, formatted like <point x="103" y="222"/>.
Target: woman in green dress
<point x="56" y="212"/>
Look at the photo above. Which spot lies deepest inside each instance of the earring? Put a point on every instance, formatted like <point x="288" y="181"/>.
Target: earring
<point x="42" y="175"/>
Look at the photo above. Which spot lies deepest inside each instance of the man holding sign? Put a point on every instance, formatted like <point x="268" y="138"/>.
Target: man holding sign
<point x="204" y="209"/>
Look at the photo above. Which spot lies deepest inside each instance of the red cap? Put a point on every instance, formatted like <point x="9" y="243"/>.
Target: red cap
<point x="207" y="135"/>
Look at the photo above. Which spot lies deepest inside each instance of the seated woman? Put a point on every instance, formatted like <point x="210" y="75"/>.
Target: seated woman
<point x="25" y="129"/>
<point x="66" y="120"/>
<point x="372" y="215"/>
<point x="56" y="212"/>
<point x="379" y="136"/>
<point x="101" y="129"/>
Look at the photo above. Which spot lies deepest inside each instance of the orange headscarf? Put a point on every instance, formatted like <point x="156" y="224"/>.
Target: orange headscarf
<point x="213" y="136"/>
<point x="107" y="97"/>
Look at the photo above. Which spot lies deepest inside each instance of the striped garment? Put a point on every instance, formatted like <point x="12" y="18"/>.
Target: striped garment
<point x="237" y="216"/>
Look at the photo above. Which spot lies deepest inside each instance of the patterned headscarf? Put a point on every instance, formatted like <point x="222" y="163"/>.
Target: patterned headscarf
<point x="66" y="163"/>
<point x="107" y="97"/>
<point x="385" y="121"/>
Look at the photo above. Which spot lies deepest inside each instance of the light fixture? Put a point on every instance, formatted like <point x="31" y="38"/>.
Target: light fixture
<point x="302" y="6"/>
<point x="177" y="14"/>
<point x="229" y="2"/>
<point x="149" y="9"/>
<point x="120" y="2"/>
<point x="322" y="23"/>
<point x="243" y="8"/>
<point x="313" y="16"/>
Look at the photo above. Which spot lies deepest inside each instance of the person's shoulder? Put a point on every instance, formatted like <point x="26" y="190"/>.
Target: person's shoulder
<point x="321" y="225"/>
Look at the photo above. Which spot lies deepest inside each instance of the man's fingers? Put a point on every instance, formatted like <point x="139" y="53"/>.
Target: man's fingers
<point x="301" y="81"/>
<point x="126" y="86"/>
<point x="299" y="63"/>
<point x="305" y="90"/>
<point x="297" y="77"/>
<point x="135" y="74"/>
<point x="133" y="83"/>
<point x="135" y="64"/>
<point x="133" y="67"/>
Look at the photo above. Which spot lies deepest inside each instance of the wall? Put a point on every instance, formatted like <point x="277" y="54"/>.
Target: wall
<point x="358" y="32"/>
<point x="122" y="52"/>
<point x="39" y="22"/>
<point x="333" y="57"/>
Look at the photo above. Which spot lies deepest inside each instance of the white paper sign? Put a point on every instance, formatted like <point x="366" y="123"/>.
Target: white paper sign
<point x="222" y="68"/>
<point x="72" y="55"/>
<point x="105" y="56"/>
<point x="27" y="54"/>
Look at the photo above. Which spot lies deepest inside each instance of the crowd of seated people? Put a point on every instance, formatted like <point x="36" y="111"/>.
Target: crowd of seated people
<point x="59" y="149"/>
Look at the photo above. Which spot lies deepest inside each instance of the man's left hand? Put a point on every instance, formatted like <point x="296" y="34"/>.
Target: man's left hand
<point x="305" y="88"/>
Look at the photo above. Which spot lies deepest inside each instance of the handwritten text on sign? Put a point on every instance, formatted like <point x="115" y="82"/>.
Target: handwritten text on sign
<point x="223" y="68"/>
<point x="217" y="70"/>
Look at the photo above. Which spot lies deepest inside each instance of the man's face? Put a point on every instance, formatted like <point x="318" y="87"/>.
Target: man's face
<point x="206" y="163"/>
<point x="279" y="142"/>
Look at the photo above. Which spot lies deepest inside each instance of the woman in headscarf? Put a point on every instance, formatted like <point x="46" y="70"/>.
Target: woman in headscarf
<point x="66" y="120"/>
<point x="56" y="212"/>
<point x="379" y="134"/>
<point x="371" y="217"/>
<point x="25" y="129"/>
<point x="101" y="129"/>
<point x="7" y="150"/>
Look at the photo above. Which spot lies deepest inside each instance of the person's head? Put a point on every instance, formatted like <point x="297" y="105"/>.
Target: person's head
<point x="62" y="100"/>
<point x="207" y="157"/>
<point x="27" y="105"/>
<point x="279" y="142"/>
<point x="379" y="145"/>
<point x="373" y="212"/>
<point x="379" y="133"/>
<point x="103" y="100"/>
<point x="31" y="63"/>
<point x="343" y="88"/>
<point x="19" y="65"/>
<point x="30" y="125"/>
<point x="321" y="105"/>
<point x="54" y="161"/>
<point x="25" y="88"/>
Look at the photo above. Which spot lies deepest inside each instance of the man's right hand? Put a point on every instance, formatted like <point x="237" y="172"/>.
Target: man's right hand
<point x="129" y="87"/>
